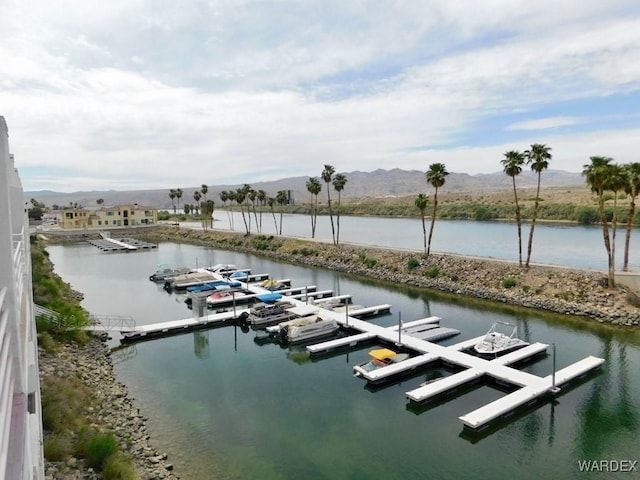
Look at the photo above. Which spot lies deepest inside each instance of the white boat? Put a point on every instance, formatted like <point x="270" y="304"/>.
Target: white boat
<point x="270" y="313"/>
<point x="225" y="296"/>
<point x="306" y="328"/>
<point x="164" y="272"/>
<point x="496" y="342"/>
<point x="380" y="357"/>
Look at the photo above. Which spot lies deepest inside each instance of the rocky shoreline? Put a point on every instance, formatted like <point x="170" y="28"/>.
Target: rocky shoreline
<point x="113" y="410"/>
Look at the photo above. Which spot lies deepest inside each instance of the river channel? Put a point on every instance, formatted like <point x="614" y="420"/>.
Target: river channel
<point x="225" y="406"/>
<point x="580" y="246"/>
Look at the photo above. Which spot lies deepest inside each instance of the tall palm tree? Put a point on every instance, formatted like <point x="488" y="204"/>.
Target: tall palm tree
<point x="538" y="157"/>
<point x="172" y="196"/>
<point x="207" y="211"/>
<point x="338" y="183"/>
<point x="327" y="176"/>
<point x="281" y="199"/>
<point x="597" y="176"/>
<point x="197" y="196"/>
<point x="421" y="202"/>
<point x="272" y="203"/>
<point x="262" y="198"/>
<point x="240" y="195"/>
<point x="204" y="189"/>
<point x="513" y="162"/>
<point x="633" y="190"/>
<point x="436" y="176"/>
<point x="314" y="187"/>
<point x="252" y="196"/>
<point x="231" y="196"/>
<point x="224" y="196"/>
<point x="617" y="180"/>
<point x="178" y="196"/>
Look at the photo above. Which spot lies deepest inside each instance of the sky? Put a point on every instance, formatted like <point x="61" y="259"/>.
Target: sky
<point x="145" y="94"/>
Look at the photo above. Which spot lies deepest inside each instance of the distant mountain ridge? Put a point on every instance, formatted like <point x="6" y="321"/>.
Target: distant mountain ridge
<point x="378" y="183"/>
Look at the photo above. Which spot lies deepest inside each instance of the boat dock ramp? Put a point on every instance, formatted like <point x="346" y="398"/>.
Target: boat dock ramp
<point x="417" y="337"/>
<point x="107" y="244"/>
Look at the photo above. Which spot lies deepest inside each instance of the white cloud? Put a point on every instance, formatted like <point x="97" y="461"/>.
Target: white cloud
<point x="130" y="93"/>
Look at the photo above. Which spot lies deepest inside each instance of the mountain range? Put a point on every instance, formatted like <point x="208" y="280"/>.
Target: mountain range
<point x="378" y="183"/>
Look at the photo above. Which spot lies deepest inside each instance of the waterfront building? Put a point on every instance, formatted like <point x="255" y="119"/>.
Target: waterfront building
<point x="107" y="217"/>
<point x="21" y="454"/>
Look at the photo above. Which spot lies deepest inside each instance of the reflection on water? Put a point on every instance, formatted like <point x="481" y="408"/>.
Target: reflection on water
<point x="226" y="404"/>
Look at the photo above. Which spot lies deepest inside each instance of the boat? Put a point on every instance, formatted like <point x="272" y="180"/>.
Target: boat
<point x="309" y="327"/>
<point x="182" y="282"/>
<point x="380" y="357"/>
<point x="223" y="268"/>
<point x="274" y="284"/>
<point x="264" y="314"/>
<point x="165" y="272"/>
<point x="224" y="297"/>
<point x="496" y="342"/>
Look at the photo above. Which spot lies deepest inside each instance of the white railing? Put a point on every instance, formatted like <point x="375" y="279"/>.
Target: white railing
<point x="6" y="382"/>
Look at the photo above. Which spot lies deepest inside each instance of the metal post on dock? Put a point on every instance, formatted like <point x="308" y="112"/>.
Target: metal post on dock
<point x="399" y="328"/>
<point x="233" y="297"/>
<point x="553" y="388"/>
<point x="306" y="294"/>
<point x="346" y="312"/>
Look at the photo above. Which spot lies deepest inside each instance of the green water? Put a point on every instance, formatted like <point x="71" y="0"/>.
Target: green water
<point x="224" y="406"/>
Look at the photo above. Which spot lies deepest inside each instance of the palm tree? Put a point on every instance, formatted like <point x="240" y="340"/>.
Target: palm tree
<point x="597" y="176"/>
<point x="240" y="196"/>
<point x="172" y="195"/>
<point x="513" y="162"/>
<point x="207" y="212"/>
<point x="327" y="176"/>
<point x="197" y="196"/>
<point x="338" y="183"/>
<point x="617" y="180"/>
<point x="421" y="204"/>
<point x="231" y="196"/>
<point x="281" y="199"/>
<point x="253" y="195"/>
<point x="633" y="190"/>
<point x="178" y="196"/>
<point x="204" y="189"/>
<point x="272" y="202"/>
<point x="262" y="198"/>
<point x="538" y="157"/>
<point x="314" y="187"/>
<point x="436" y="176"/>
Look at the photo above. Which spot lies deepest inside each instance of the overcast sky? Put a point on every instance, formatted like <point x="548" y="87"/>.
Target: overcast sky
<point x="129" y="94"/>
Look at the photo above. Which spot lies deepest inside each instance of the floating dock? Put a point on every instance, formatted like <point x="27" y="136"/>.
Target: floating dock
<point x="108" y="244"/>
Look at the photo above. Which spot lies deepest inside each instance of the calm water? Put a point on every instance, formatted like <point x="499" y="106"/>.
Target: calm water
<point x="579" y="246"/>
<point x="226" y="407"/>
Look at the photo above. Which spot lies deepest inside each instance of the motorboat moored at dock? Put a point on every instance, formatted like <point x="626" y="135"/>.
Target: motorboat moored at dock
<point x="497" y="342"/>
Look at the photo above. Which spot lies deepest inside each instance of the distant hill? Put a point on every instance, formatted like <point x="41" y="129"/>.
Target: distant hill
<point x="379" y="183"/>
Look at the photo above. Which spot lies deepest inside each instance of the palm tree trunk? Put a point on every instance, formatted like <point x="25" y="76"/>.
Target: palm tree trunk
<point x="433" y="220"/>
<point x="280" y="223"/>
<point x="313" y="227"/>
<point x="627" y="240"/>
<point x="275" y="221"/>
<point x="338" y="221"/>
<point x="333" y="230"/>
<point x="244" y="219"/>
<point x="533" y="223"/>
<point x="424" y="233"/>
<point x="518" y="221"/>
<point x="607" y="241"/>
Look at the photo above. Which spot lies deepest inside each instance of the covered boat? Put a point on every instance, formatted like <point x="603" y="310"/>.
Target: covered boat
<point x="380" y="357"/>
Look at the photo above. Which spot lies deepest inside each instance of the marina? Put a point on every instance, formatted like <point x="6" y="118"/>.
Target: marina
<point x="212" y="382"/>
<point x="292" y="316"/>
<point x="108" y="244"/>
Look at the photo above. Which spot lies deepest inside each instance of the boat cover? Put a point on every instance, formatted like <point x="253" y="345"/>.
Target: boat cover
<point x="269" y="297"/>
<point x="382" y="354"/>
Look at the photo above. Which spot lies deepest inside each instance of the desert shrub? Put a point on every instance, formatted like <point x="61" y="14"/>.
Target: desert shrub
<point x="370" y="262"/>
<point x="526" y="288"/>
<point x="509" y="283"/>
<point x="99" y="448"/>
<point x="46" y="341"/>
<point x="57" y="447"/>
<point x="63" y="399"/>
<point x="587" y="215"/>
<point x="433" y="271"/>
<point x="412" y="263"/>
<point x="118" y="467"/>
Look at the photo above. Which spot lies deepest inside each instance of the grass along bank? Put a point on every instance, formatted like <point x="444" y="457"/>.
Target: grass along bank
<point x="556" y="289"/>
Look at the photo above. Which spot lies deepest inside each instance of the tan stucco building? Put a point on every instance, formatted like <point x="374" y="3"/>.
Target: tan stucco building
<point x="107" y="217"/>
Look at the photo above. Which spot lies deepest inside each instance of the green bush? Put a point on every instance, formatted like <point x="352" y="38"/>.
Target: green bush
<point x="99" y="448"/>
<point x="433" y="272"/>
<point x="370" y="262"/>
<point x="118" y="467"/>
<point x="57" y="447"/>
<point x="412" y="263"/>
<point x="509" y="283"/>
